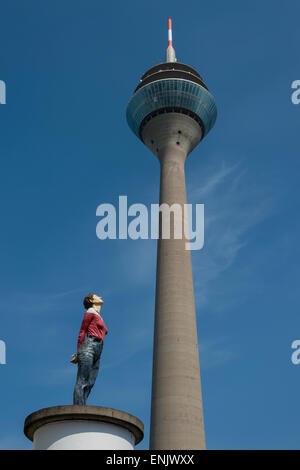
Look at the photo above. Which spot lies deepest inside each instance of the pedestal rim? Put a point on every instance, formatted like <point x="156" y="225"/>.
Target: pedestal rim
<point x="85" y="413"/>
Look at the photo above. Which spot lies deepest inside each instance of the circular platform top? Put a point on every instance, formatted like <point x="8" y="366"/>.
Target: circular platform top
<point x="88" y="413"/>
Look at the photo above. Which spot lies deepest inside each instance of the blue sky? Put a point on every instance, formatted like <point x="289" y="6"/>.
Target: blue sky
<point x="70" y="68"/>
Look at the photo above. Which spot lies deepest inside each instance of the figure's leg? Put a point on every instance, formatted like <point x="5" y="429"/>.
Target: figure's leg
<point x="95" y="367"/>
<point x="85" y="364"/>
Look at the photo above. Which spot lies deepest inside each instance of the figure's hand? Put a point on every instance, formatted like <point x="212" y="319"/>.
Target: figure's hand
<point x="74" y="359"/>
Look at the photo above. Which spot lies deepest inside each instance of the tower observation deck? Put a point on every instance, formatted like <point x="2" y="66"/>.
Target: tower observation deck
<point x="171" y="111"/>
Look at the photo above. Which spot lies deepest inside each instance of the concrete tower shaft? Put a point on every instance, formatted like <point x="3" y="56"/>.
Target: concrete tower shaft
<point x="171" y="111"/>
<point x="176" y="409"/>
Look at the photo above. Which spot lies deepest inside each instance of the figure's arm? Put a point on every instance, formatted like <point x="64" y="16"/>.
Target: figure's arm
<point x="105" y="328"/>
<point x="84" y="326"/>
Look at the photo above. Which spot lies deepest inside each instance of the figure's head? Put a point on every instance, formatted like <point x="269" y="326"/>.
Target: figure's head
<point x="93" y="300"/>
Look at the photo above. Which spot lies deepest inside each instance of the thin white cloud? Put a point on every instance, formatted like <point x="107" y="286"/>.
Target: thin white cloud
<point x="214" y="353"/>
<point x="213" y="181"/>
<point x="59" y="375"/>
<point x="36" y="302"/>
<point x="233" y="206"/>
<point x="15" y="442"/>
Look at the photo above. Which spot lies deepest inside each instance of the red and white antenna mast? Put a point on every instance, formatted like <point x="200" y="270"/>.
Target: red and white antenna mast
<point x="170" y="55"/>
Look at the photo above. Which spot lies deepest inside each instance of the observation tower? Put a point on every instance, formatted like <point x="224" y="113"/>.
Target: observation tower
<point x="171" y="111"/>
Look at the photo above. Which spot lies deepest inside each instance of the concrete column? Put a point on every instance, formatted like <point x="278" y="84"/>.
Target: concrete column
<point x="176" y="408"/>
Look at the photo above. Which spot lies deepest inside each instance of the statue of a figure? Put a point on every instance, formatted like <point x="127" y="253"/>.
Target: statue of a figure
<point x="89" y="348"/>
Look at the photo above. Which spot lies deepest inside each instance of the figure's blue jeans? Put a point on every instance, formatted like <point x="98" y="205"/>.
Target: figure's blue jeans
<point x="88" y="367"/>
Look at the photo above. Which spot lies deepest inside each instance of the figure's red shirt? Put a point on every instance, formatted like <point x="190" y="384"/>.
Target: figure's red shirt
<point x="92" y="325"/>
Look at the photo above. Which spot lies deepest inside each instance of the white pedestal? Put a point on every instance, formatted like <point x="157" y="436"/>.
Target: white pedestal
<point x="73" y="427"/>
